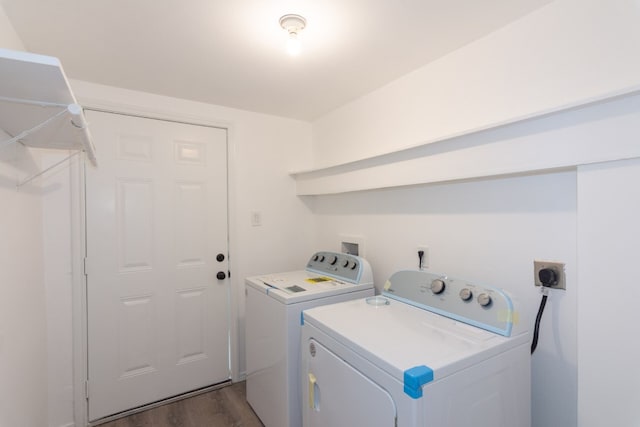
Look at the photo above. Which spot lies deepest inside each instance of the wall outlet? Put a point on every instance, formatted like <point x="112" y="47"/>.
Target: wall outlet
<point x="425" y="257"/>
<point x="558" y="273"/>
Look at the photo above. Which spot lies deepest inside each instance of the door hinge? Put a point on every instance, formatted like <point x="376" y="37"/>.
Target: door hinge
<point x="86" y="390"/>
<point x="86" y="266"/>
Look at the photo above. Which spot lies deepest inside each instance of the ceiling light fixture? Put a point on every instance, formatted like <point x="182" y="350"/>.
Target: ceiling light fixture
<point x="293" y="24"/>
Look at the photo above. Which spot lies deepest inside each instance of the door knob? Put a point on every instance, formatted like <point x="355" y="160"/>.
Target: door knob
<point x="221" y="275"/>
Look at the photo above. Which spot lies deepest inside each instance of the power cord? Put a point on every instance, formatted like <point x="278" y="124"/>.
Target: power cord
<point x="549" y="278"/>
<point x="536" y="330"/>
<point x="420" y="258"/>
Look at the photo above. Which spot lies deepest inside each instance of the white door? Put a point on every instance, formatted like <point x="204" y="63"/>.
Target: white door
<point x="156" y="209"/>
<point x="335" y="394"/>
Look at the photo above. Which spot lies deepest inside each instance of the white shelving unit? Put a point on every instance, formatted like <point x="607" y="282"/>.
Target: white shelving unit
<point x="37" y="107"/>
<point x="547" y="141"/>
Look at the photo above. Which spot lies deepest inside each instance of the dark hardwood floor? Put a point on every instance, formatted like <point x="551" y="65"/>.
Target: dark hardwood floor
<point x="225" y="407"/>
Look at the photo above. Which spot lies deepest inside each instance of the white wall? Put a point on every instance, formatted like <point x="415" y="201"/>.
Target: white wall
<point x="23" y="375"/>
<point x="608" y="236"/>
<point x="485" y="231"/>
<point x="567" y="52"/>
<point x="8" y="37"/>
<point x="263" y="149"/>
<point x="57" y="247"/>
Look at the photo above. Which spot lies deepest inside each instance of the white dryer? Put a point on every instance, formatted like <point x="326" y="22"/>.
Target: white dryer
<point x="274" y="307"/>
<point x="431" y="351"/>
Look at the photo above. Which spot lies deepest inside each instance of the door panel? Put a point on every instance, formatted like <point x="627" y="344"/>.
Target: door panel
<point x="191" y="219"/>
<point x="134" y="216"/>
<point x="158" y="318"/>
<point x="335" y="394"/>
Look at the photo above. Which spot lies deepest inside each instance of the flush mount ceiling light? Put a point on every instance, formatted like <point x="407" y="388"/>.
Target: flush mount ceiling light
<point x="293" y="24"/>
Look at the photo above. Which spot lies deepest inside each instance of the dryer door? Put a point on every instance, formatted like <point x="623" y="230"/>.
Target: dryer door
<point x="338" y="395"/>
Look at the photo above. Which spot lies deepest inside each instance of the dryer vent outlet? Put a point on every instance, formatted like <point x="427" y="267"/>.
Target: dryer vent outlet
<point x="350" y="248"/>
<point x="550" y="274"/>
<point x="351" y="244"/>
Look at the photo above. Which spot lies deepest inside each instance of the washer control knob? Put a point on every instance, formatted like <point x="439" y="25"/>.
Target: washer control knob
<point x="438" y="286"/>
<point x="345" y="264"/>
<point x="333" y="260"/>
<point x="321" y="258"/>
<point x="354" y="265"/>
<point x="315" y="257"/>
<point x="466" y="294"/>
<point x="484" y="300"/>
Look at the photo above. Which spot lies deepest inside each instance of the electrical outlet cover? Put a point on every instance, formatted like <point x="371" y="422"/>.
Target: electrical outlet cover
<point x="558" y="267"/>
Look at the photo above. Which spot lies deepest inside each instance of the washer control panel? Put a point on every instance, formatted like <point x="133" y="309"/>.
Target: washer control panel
<point x="486" y="307"/>
<point x="349" y="268"/>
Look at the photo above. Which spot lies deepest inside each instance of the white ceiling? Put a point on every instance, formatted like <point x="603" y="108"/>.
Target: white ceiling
<point x="231" y="52"/>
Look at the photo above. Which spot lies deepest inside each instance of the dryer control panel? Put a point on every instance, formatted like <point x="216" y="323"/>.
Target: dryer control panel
<point x="346" y="267"/>
<point x="485" y="307"/>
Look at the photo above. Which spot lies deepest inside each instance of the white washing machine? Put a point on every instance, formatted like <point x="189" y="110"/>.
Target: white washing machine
<point x="431" y="351"/>
<point x="273" y="320"/>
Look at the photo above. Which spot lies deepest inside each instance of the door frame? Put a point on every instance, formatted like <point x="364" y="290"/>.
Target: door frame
<point x="78" y="245"/>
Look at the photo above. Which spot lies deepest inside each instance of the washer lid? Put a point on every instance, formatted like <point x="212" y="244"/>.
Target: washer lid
<point x="298" y="286"/>
<point x="326" y="274"/>
<point x="398" y="337"/>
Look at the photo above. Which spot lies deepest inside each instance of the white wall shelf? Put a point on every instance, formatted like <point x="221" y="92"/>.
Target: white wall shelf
<point x="549" y="142"/>
<point x="37" y="107"/>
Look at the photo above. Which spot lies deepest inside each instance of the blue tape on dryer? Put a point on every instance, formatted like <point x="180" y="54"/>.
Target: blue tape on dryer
<point x="415" y="378"/>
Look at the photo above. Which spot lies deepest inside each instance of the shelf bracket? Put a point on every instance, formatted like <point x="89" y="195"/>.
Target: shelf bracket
<point x="32" y="102"/>
<point x="31" y="178"/>
<point x="27" y="132"/>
